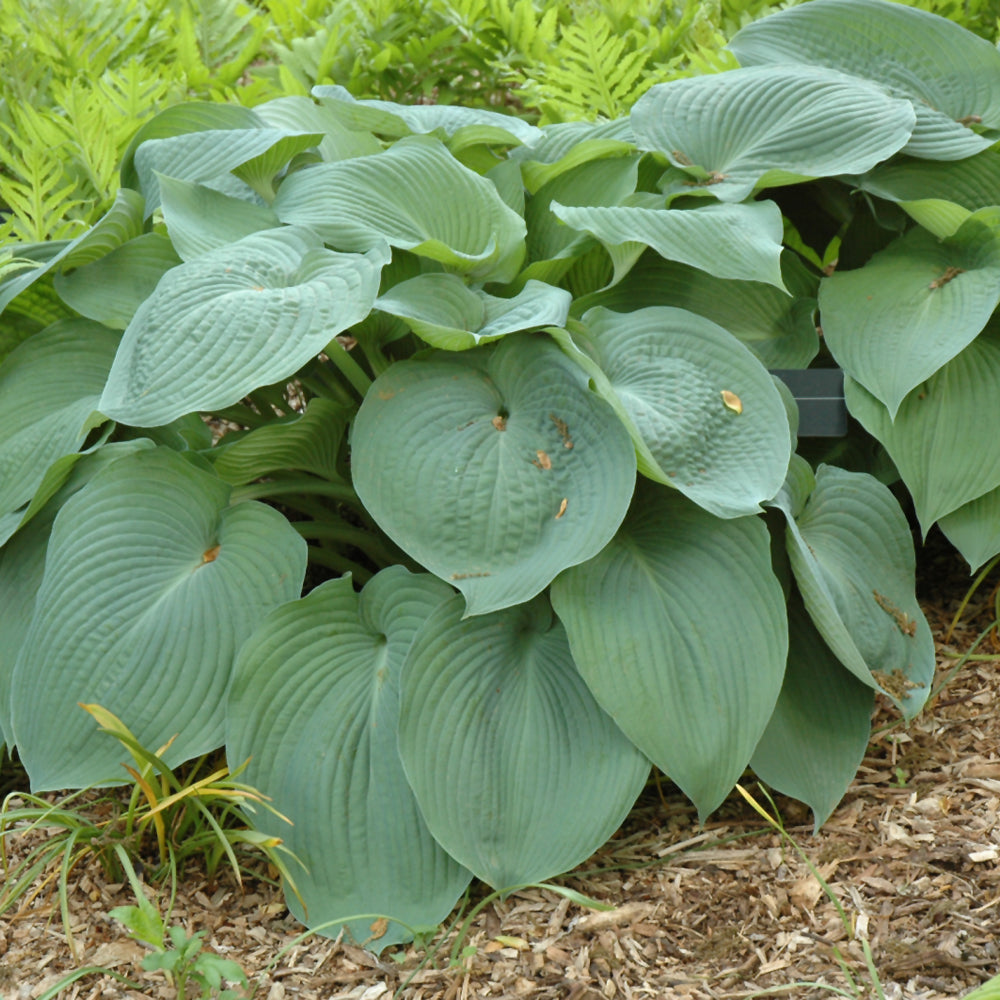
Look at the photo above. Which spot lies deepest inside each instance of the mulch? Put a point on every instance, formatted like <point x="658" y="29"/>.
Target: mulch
<point x="727" y="910"/>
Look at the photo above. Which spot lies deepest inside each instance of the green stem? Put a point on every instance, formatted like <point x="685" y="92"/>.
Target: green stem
<point x="332" y="531"/>
<point x="309" y="486"/>
<point x="242" y="415"/>
<point x="320" y="384"/>
<point x="354" y="373"/>
<point x="339" y="564"/>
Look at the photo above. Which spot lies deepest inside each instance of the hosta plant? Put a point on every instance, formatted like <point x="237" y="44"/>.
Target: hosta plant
<point x="432" y="461"/>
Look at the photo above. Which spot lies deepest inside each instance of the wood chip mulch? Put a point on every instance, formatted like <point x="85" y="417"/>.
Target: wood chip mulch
<point x="727" y="910"/>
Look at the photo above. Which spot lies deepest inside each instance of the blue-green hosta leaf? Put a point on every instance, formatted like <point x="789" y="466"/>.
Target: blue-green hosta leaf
<point x="49" y="391"/>
<point x="415" y="196"/>
<point x="149" y="575"/>
<point x="506" y="469"/>
<point x="553" y="246"/>
<point x="121" y="223"/>
<point x="301" y="114"/>
<point x="315" y="707"/>
<point x="236" y="318"/>
<point x="518" y="772"/>
<point x="704" y="415"/>
<point x="110" y="289"/>
<point x="818" y="735"/>
<point x="778" y="328"/>
<point x="22" y="563"/>
<point x="310" y="442"/>
<point x="759" y="127"/>
<point x="644" y="623"/>
<point x="974" y="528"/>
<point x="951" y="76"/>
<point x="894" y="322"/>
<point x="255" y="155"/>
<point x="944" y="462"/>
<point x="939" y="196"/>
<point x="442" y="310"/>
<point x="852" y="556"/>
<point x="397" y="120"/>
<point x="200" y="219"/>
<point x="567" y="145"/>
<point x="729" y="241"/>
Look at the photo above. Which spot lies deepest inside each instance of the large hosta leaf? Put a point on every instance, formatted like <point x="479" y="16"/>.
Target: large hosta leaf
<point x="234" y="319"/>
<point x="777" y="327"/>
<point x="974" y="528"/>
<point x="703" y="413"/>
<point x="940" y="196"/>
<point x="22" y="564"/>
<point x="693" y="688"/>
<point x="519" y="773"/>
<point x="149" y="575"/>
<point x="729" y="241"/>
<point x="934" y="441"/>
<point x="751" y="128"/>
<point x="442" y="310"/>
<point x="951" y="76"/>
<point x="415" y="196"/>
<point x="894" y="322"/>
<point x="817" y="737"/>
<point x="505" y="468"/>
<point x="315" y="707"/>
<point x="852" y="556"/>
<point x="49" y="391"/>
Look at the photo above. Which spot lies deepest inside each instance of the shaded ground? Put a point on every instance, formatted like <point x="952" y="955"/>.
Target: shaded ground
<point x="912" y="855"/>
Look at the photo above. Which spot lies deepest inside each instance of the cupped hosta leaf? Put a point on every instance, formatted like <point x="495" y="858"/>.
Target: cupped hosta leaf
<point x="442" y="310"/>
<point x="704" y="415"/>
<point x="200" y="219"/>
<point x="506" y="469"/>
<point x="22" y="563"/>
<point x="750" y="128"/>
<point x="302" y="114"/>
<point x="894" y="322"/>
<point x="391" y="119"/>
<point x="974" y="528"/>
<point x="49" y="391"/>
<point x="310" y="442"/>
<point x="951" y="76"/>
<point x="819" y="732"/>
<point x="852" y="556"/>
<point x="518" y="772"/>
<point x="678" y="627"/>
<point x="415" y="196"/>
<point x="111" y="289"/>
<point x="149" y="575"/>
<point x="778" y="328"/>
<point x="729" y="241"/>
<point x="940" y="196"/>
<point x="254" y="154"/>
<point x="943" y="459"/>
<point x="315" y="707"/>
<point x="234" y="319"/>
<point x="121" y="223"/>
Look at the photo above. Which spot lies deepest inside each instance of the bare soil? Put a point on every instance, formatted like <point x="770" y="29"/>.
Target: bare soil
<point x="727" y="910"/>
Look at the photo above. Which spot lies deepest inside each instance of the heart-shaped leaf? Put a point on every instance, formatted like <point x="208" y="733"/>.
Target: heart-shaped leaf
<point x="818" y="735"/>
<point x="243" y="316"/>
<point x="149" y="574"/>
<point x="663" y="623"/>
<point x="852" y="556"/>
<point x="729" y="241"/>
<point x="315" y="707"/>
<point x="415" y="196"/>
<point x="442" y="310"/>
<point x="518" y="772"/>
<point x="703" y="413"/>
<point x="506" y="469"/>
<point x="894" y="322"/>
<point x="951" y="77"/>
<point x="974" y="528"/>
<point x="751" y="128"/>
